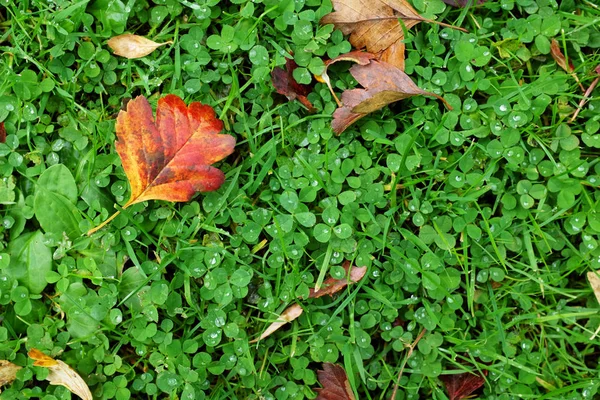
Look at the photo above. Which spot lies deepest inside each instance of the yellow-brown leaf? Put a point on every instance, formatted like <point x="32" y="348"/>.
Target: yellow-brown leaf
<point x="133" y="46"/>
<point x="8" y="372"/>
<point x="61" y="374"/>
<point x="288" y="315"/>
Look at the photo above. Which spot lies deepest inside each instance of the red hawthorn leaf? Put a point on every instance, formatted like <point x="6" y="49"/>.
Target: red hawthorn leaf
<point x="383" y="84"/>
<point x="331" y="285"/>
<point x="169" y="159"/>
<point x="284" y="82"/>
<point x="2" y="133"/>
<point x="462" y="385"/>
<point x="335" y="383"/>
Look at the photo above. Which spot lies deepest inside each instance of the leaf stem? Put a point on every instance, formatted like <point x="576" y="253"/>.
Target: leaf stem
<point x="93" y="230"/>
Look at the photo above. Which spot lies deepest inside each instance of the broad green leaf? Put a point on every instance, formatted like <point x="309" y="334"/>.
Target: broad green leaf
<point x="30" y="260"/>
<point x="58" y="179"/>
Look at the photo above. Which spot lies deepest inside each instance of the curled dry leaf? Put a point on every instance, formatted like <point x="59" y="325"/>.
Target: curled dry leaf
<point x="374" y="25"/>
<point x="285" y="84"/>
<point x="331" y="285"/>
<point x="133" y="46"/>
<point x="383" y="84"/>
<point x="169" y="159"/>
<point x="359" y="57"/>
<point x="460" y="386"/>
<point x="561" y="60"/>
<point x="8" y="372"/>
<point x="335" y="383"/>
<point x="290" y="314"/>
<point x="61" y="374"/>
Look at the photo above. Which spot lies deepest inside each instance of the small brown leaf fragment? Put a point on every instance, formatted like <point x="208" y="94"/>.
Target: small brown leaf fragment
<point x="459" y="386"/>
<point x="8" y="372"/>
<point x="133" y="46"/>
<point x="2" y="133"/>
<point x="61" y="374"/>
<point x="561" y="60"/>
<point x="288" y="315"/>
<point x="335" y="383"/>
<point x="383" y="84"/>
<point x="357" y="56"/>
<point x="331" y="285"/>
<point x="594" y="279"/>
<point x="285" y="84"/>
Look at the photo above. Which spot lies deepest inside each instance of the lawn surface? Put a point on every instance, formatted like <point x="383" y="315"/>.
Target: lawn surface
<point x="477" y="225"/>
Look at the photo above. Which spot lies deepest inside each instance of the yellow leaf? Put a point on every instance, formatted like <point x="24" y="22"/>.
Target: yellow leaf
<point x="133" y="46"/>
<point x="61" y="374"/>
<point x="290" y="314"/>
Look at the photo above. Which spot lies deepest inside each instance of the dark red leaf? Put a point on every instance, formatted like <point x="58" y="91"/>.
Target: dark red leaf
<point x="335" y="383"/>
<point x="462" y="385"/>
<point x="2" y="133"/>
<point x="284" y="82"/>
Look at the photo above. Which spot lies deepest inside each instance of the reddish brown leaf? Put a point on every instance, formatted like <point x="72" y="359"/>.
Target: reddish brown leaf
<point x="460" y="386"/>
<point x="133" y="46"/>
<point x="383" y="84"/>
<point x="335" y="383"/>
<point x="169" y="159"/>
<point x="561" y="60"/>
<point x="359" y="57"/>
<point x="331" y="285"/>
<point x="285" y="84"/>
<point x="288" y="315"/>
<point x="2" y="133"/>
<point x="374" y="25"/>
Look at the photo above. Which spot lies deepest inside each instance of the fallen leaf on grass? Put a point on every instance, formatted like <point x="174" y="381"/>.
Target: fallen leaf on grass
<point x="8" y="372"/>
<point x="61" y="374"/>
<point x="335" y="383"/>
<point x="357" y="56"/>
<point x="383" y="84"/>
<point x="374" y="25"/>
<point x="460" y="386"/>
<point x="331" y="285"/>
<point x="133" y="46"/>
<point x="594" y="279"/>
<point x="285" y="84"/>
<point x="288" y="315"/>
<point x="561" y="60"/>
<point x="2" y="133"/>
<point x="170" y="159"/>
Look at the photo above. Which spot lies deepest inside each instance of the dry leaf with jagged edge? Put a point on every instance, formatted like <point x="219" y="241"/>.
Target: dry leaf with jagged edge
<point x="133" y="46"/>
<point x="8" y="372"/>
<point x="331" y="285"/>
<point x="61" y="374"/>
<point x="335" y="383"/>
<point x="374" y="25"/>
<point x="561" y="60"/>
<point x="460" y="386"/>
<point x="285" y="84"/>
<point x="383" y="84"/>
<point x="169" y="159"/>
<point x="357" y="56"/>
<point x="288" y="315"/>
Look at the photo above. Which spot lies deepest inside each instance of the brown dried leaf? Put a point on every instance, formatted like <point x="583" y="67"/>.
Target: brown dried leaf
<point x="594" y="279"/>
<point x="288" y="315"/>
<point x="133" y="46"/>
<point x="8" y="372"/>
<point x="2" y="133"/>
<point x="357" y="56"/>
<point x="460" y="386"/>
<point x="335" y="383"/>
<point x="331" y="285"/>
<point x="375" y="25"/>
<point x="561" y="60"/>
<point x="383" y="84"/>
<point x="61" y="374"/>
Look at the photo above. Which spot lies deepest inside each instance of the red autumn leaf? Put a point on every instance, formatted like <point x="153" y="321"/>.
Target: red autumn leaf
<point x="169" y="159"/>
<point x="284" y="82"/>
<point x="2" y="133"/>
<point x="335" y="383"/>
<point x="331" y="285"/>
<point x="462" y="385"/>
<point x="383" y="84"/>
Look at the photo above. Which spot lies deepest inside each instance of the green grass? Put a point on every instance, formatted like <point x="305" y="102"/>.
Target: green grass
<point x="477" y="225"/>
